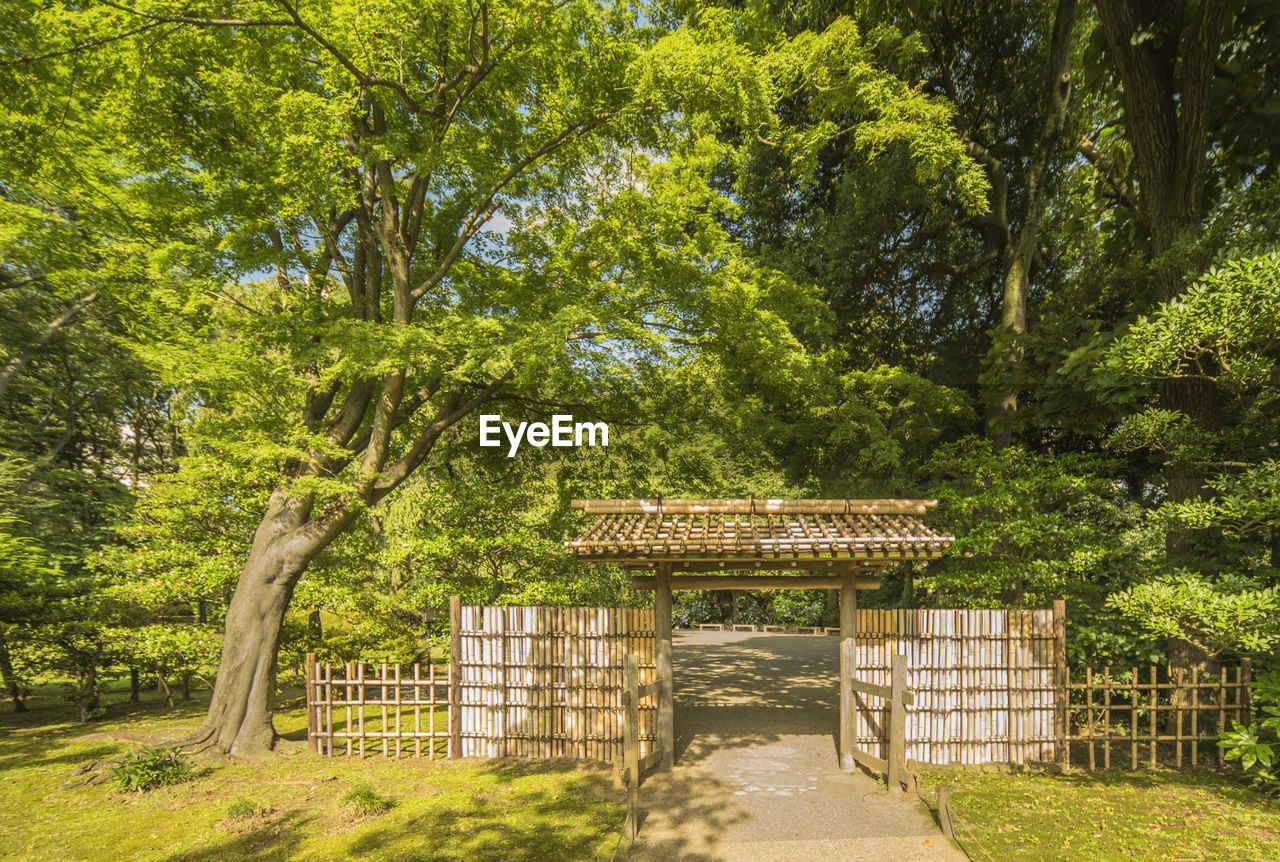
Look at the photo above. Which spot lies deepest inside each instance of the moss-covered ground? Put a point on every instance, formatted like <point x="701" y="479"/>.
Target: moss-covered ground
<point x="463" y="810"/>
<point x="1132" y="816"/>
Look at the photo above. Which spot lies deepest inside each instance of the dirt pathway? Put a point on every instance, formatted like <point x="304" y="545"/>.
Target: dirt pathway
<point x="756" y="774"/>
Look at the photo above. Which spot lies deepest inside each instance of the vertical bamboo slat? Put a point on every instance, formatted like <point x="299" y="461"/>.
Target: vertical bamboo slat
<point x="1155" y="708"/>
<point x="455" y="677"/>
<point x="1106" y="718"/>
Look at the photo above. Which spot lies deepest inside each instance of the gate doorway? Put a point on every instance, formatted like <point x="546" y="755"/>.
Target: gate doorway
<point x="990" y="683"/>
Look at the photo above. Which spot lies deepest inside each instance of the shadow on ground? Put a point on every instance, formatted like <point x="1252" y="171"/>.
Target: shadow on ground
<point x="743" y="690"/>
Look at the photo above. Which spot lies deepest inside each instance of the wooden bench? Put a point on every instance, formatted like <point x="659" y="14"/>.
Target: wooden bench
<point x="744" y="627"/>
<point x="711" y="627"/>
<point x="806" y="630"/>
<point x="775" y="629"/>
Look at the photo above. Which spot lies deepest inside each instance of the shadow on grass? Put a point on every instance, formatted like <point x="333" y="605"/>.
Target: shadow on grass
<point x="41" y="735"/>
<point x="1224" y="782"/>
<point x="563" y="819"/>
<point x="274" y="840"/>
<point x="69" y="758"/>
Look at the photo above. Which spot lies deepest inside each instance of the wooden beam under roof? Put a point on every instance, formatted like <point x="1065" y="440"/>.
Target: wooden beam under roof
<point x="754" y="582"/>
<point x="762" y="564"/>
<point x="759" y="506"/>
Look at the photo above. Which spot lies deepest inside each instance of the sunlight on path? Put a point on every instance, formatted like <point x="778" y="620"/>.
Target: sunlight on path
<point x="756" y="776"/>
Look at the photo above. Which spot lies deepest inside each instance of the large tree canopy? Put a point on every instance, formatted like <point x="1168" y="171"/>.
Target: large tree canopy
<point x="390" y="216"/>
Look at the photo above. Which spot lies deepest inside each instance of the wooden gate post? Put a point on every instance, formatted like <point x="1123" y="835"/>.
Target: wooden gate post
<point x="313" y="739"/>
<point x="666" y="675"/>
<point x="455" y="676"/>
<point x="631" y="742"/>
<point x="898" y="725"/>
<point x="1060" y="691"/>
<point x="848" y="664"/>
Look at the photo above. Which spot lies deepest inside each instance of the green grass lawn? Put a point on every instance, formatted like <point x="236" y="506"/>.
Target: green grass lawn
<point x="1132" y="816"/>
<point x="464" y="810"/>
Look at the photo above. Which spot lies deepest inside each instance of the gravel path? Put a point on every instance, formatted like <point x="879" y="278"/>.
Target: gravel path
<point x="756" y="774"/>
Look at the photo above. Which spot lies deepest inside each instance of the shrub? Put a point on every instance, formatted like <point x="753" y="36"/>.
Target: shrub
<point x="243" y="809"/>
<point x="1257" y="746"/>
<point x="691" y="608"/>
<point x="147" y="768"/>
<point x="364" y="801"/>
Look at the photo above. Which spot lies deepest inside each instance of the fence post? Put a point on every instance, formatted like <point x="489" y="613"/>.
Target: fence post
<point x="1246" y="696"/>
<point x="631" y="742"/>
<point x="1061" y="692"/>
<point x="666" y="675"/>
<point x="944" y="811"/>
<point x="898" y="726"/>
<point x="313" y="740"/>
<point x="455" y="676"/>
<point x="848" y="665"/>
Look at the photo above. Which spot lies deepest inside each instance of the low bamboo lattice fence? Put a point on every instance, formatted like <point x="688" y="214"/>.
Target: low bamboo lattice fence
<point x="1150" y="719"/>
<point x="364" y="708"/>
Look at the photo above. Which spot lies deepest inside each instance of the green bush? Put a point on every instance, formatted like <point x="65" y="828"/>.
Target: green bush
<point x="1257" y="746"/>
<point x="147" y="768"/>
<point x="799" y="607"/>
<point x="364" y="801"/>
<point x="691" y="608"/>
<point x="242" y="809"/>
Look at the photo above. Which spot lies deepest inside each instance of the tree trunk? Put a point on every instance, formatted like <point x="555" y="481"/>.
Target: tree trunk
<point x="908" y="598"/>
<point x="1184" y="657"/>
<point x="1020" y="255"/>
<point x="164" y="688"/>
<point x="87" y="696"/>
<point x="239" y="718"/>
<point x="135" y="685"/>
<point x="10" y="678"/>
<point x="1167" y="76"/>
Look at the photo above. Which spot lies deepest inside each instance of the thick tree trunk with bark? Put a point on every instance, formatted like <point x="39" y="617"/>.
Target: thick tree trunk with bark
<point x="239" y="718"/>
<point x="11" y="685"/>
<point x="1167" y="76"/>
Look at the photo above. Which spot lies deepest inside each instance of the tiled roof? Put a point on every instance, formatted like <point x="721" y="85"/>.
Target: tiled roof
<point x="746" y="529"/>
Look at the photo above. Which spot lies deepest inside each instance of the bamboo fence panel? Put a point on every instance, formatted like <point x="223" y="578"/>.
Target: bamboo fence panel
<point x="982" y="680"/>
<point x="1134" y="718"/>
<point x="547" y="682"/>
<point x="533" y="682"/>
<point x="382" y="709"/>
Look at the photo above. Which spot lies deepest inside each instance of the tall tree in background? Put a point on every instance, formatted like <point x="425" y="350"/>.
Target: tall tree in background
<point x="1164" y="55"/>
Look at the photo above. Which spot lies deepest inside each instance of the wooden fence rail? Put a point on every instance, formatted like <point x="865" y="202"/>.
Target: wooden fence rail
<point x="1139" y="718"/>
